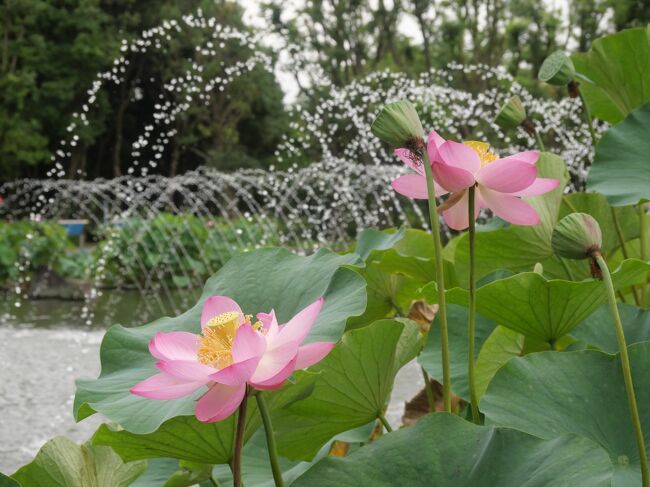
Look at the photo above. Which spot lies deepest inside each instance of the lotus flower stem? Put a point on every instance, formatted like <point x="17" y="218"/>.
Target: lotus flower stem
<point x="239" y="442"/>
<point x="626" y="254"/>
<point x="590" y="122"/>
<point x="627" y="373"/>
<point x="270" y="439"/>
<point x="440" y="283"/>
<point x="540" y="143"/>
<point x="643" y="236"/>
<point x="385" y="422"/>
<point x="476" y="417"/>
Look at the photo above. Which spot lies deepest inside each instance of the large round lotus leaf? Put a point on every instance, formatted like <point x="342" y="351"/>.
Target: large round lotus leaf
<point x="615" y="74"/>
<point x="597" y="330"/>
<point x="258" y="281"/>
<point x="540" y="308"/>
<point x="63" y="463"/>
<point x="621" y="167"/>
<point x="188" y="439"/>
<point x="352" y="386"/>
<point x="549" y="394"/>
<point x="348" y="389"/>
<point x="446" y="451"/>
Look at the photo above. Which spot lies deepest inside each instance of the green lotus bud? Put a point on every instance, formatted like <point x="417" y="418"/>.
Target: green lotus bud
<point x="577" y="236"/>
<point x="398" y="124"/>
<point x="512" y="114"/>
<point x="557" y="69"/>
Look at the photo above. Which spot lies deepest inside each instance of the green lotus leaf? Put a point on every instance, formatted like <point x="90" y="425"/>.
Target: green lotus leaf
<point x="8" y="481"/>
<point x="371" y="240"/>
<point x="598" y="331"/>
<point x="63" y="463"/>
<point x="500" y="346"/>
<point x="615" y="74"/>
<point x="352" y="386"/>
<point x="258" y="281"/>
<point x="395" y="270"/>
<point x="188" y="439"/>
<point x="540" y="308"/>
<point x="447" y="451"/>
<point x="158" y="471"/>
<point x="550" y="394"/>
<point x="621" y="169"/>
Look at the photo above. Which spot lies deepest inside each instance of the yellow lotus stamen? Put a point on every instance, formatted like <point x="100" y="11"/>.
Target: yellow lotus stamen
<point x="215" y="344"/>
<point x="483" y="151"/>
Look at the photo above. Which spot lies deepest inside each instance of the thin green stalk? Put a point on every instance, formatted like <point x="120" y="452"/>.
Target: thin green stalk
<point x="214" y="481"/>
<point x="626" y="254"/>
<point x="643" y="243"/>
<point x="386" y="424"/>
<point x="627" y="373"/>
<point x="472" y="308"/>
<point x="540" y="143"/>
<point x="440" y="283"/>
<point x="619" y="234"/>
<point x="428" y="389"/>
<point x="239" y="442"/>
<point x="590" y="122"/>
<point x="270" y="439"/>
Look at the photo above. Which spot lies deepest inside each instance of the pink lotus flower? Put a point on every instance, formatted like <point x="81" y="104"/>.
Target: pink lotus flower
<point x="500" y="183"/>
<point x="229" y="353"/>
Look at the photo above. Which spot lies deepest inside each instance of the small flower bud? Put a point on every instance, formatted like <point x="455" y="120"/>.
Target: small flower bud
<point x="512" y="114"/>
<point x="577" y="236"/>
<point x="398" y="124"/>
<point x="557" y="69"/>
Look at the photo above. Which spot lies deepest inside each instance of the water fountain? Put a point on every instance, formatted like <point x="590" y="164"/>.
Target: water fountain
<point x="345" y="190"/>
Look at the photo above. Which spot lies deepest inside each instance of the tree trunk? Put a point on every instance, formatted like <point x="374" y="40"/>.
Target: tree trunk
<point x="420" y="8"/>
<point x="119" y="126"/>
<point x="176" y="151"/>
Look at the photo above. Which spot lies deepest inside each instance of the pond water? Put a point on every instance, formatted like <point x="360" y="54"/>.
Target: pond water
<point x="124" y="307"/>
<point x="46" y="344"/>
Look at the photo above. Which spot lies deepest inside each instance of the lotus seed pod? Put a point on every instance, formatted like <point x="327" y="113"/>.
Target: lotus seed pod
<point x="512" y="114"/>
<point x="398" y="124"/>
<point x="557" y="69"/>
<point x="577" y="236"/>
